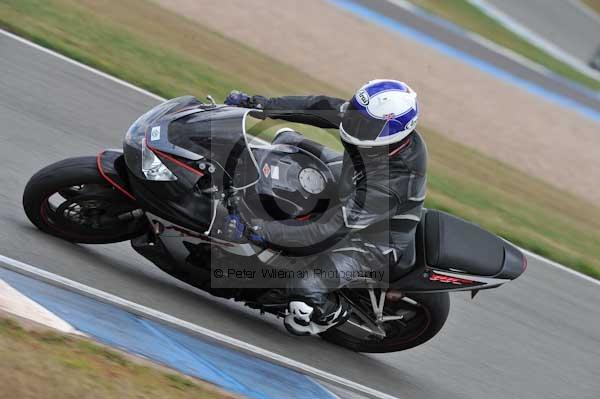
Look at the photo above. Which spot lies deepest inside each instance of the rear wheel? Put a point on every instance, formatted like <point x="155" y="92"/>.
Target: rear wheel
<point x="420" y="318"/>
<point x="69" y="199"/>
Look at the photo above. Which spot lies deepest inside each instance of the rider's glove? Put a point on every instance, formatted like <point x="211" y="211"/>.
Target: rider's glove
<point x="234" y="230"/>
<point x="257" y="239"/>
<point x="254" y="233"/>
<point x="254" y="236"/>
<point x="240" y="99"/>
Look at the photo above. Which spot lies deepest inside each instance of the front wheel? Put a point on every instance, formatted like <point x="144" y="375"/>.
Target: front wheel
<point x="70" y="200"/>
<point x="422" y="317"/>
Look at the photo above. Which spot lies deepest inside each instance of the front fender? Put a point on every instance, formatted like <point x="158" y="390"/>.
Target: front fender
<point x="111" y="166"/>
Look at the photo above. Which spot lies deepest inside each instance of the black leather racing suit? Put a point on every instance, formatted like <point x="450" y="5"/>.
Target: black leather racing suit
<point x="381" y="194"/>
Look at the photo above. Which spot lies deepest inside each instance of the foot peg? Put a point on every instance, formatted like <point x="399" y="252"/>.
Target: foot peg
<point x="300" y="320"/>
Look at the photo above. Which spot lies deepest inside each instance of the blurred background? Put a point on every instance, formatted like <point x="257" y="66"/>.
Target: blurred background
<point x="509" y="89"/>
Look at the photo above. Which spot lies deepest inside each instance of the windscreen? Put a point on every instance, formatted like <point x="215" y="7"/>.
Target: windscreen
<point x="137" y="130"/>
<point x="219" y="136"/>
<point x="188" y="129"/>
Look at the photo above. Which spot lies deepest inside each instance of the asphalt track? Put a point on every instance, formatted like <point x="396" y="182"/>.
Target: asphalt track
<point x="538" y="337"/>
<point x="565" y="23"/>
<point x="457" y="39"/>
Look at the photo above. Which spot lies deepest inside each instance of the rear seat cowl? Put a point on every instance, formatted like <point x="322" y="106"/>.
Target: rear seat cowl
<point x="453" y="243"/>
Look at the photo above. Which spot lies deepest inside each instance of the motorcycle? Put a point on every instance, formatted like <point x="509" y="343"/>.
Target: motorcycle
<point x="184" y="159"/>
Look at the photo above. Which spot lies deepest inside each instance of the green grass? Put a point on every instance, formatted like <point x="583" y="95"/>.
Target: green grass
<point x="464" y="14"/>
<point x="46" y="364"/>
<point x="169" y="55"/>
<point x="143" y="44"/>
<point x="594" y="5"/>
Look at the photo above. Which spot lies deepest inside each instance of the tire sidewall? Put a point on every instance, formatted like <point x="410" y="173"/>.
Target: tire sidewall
<point x="68" y="172"/>
<point x="437" y="305"/>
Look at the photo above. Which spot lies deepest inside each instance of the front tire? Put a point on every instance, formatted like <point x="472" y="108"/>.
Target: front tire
<point x="428" y="315"/>
<point x="70" y="200"/>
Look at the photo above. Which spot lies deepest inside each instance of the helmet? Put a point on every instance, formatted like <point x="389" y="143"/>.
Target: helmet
<point x="381" y="113"/>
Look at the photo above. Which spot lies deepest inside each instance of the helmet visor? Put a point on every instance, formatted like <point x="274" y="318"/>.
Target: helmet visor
<point x="362" y="127"/>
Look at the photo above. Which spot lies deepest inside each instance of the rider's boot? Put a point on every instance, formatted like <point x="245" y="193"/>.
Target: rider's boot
<point x="304" y="319"/>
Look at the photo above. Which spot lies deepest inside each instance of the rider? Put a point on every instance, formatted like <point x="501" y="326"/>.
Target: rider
<point x="382" y="189"/>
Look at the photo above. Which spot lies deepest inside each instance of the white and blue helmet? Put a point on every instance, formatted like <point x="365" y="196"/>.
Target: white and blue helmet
<point x="382" y="112"/>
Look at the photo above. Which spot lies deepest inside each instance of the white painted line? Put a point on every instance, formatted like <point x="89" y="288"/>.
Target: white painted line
<point x="140" y="90"/>
<point x="322" y="385"/>
<point x="95" y="71"/>
<point x="12" y="301"/>
<point x="510" y="54"/>
<point x="80" y="65"/>
<point x="54" y="279"/>
<point x="584" y="8"/>
<point x="490" y="45"/>
<point x="561" y="267"/>
<point x="535" y="39"/>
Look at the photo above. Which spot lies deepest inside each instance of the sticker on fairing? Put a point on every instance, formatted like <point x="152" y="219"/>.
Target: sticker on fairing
<point x="275" y="173"/>
<point x="266" y="170"/>
<point x="155" y="133"/>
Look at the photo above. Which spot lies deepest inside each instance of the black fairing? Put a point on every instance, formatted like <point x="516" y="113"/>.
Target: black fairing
<point x="219" y="137"/>
<point x="111" y="165"/>
<point x="176" y="203"/>
<point x="515" y="262"/>
<point x="205" y="148"/>
<point x="193" y="132"/>
<point x="132" y="144"/>
<point x="191" y="210"/>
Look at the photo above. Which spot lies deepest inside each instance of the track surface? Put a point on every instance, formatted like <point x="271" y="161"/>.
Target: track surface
<point x="561" y="22"/>
<point x="538" y="337"/>
<point x="471" y="47"/>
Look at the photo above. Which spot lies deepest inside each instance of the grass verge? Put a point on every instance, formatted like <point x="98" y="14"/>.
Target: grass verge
<point x="593" y="4"/>
<point x="464" y="14"/>
<point x="137" y="41"/>
<point x="46" y="364"/>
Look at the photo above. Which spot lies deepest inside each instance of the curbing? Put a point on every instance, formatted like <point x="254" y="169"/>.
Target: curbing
<point x="210" y="335"/>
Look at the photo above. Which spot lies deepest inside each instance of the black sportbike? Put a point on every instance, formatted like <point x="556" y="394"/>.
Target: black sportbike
<point x="184" y="158"/>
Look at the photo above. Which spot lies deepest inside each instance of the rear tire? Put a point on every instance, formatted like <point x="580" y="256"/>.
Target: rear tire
<point x="76" y="179"/>
<point x="434" y="312"/>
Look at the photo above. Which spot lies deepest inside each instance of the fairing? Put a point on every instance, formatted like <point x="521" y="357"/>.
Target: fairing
<point x="198" y="134"/>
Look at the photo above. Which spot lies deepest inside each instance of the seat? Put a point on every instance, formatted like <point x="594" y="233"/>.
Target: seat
<point x="455" y="244"/>
<point x="291" y="137"/>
